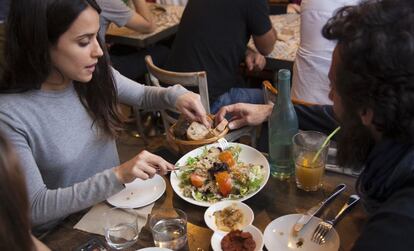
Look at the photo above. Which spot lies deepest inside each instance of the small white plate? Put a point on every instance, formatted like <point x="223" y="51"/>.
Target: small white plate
<point x="139" y="193"/>
<point x="210" y="219"/>
<point x="256" y="233"/>
<point x="278" y="235"/>
<point x="154" y="249"/>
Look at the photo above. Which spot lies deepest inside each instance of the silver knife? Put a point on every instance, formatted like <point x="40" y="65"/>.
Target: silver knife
<point x="305" y="218"/>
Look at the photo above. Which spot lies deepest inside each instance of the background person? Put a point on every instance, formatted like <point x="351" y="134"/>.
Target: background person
<point x="59" y="108"/>
<point x="213" y="37"/>
<point x="310" y="81"/>
<point x="128" y="60"/>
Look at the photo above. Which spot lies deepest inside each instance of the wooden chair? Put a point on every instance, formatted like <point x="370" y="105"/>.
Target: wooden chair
<point x="190" y="79"/>
<point x="186" y="79"/>
<point x="269" y="90"/>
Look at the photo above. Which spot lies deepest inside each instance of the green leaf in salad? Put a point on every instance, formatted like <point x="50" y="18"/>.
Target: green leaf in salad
<point x="198" y="196"/>
<point x="204" y="153"/>
<point x="191" y="161"/>
<point x="235" y="151"/>
<point x="255" y="184"/>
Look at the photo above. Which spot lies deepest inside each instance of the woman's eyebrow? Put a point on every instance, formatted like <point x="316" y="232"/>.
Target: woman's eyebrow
<point x="88" y="35"/>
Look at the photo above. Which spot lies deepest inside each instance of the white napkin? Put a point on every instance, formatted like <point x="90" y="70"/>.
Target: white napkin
<point x="93" y="221"/>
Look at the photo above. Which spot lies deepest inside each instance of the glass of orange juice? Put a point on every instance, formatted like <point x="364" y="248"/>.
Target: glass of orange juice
<point x="309" y="170"/>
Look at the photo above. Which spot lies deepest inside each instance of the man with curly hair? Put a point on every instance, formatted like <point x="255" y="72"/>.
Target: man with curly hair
<point x="372" y="89"/>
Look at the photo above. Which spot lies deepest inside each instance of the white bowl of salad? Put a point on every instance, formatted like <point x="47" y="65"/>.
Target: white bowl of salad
<point x="210" y="174"/>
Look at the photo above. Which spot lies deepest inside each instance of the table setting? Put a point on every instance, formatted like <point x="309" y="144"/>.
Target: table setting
<point x="226" y="196"/>
<point x="134" y="206"/>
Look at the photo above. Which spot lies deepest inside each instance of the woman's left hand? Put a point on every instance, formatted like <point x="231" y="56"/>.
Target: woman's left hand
<point x="190" y="105"/>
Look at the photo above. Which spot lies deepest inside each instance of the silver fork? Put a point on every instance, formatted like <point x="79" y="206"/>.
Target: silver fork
<point x="325" y="226"/>
<point x="224" y="144"/>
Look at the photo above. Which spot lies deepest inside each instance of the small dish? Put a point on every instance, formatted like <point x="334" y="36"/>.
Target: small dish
<point x="210" y="219"/>
<point x="139" y="193"/>
<point x="278" y="235"/>
<point x="254" y="231"/>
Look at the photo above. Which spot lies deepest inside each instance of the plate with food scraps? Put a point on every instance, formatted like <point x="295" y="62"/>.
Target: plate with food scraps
<point x="227" y="215"/>
<point x="139" y="193"/>
<point x="278" y="235"/>
<point x="249" y="237"/>
<point x="210" y="174"/>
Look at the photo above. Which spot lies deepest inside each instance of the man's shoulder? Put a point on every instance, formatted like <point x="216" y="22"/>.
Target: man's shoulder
<point x="401" y="202"/>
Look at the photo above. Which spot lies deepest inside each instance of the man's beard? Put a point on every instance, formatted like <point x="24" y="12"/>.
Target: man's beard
<point x="355" y="142"/>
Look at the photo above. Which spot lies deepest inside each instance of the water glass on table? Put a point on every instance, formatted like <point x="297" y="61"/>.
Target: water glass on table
<point x="121" y="227"/>
<point x="309" y="166"/>
<point x="169" y="228"/>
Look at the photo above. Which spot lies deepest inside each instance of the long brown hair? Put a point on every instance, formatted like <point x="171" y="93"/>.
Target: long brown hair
<point x="14" y="207"/>
<point x="34" y="26"/>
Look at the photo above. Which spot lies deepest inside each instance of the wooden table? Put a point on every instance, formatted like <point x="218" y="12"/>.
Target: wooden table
<point x="167" y="18"/>
<point x="277" y="198"/>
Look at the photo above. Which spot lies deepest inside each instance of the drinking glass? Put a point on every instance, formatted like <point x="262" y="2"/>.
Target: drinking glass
<point x="121" y="227"/>
<point x="169" y="228"/>
<point x="309" y="171"/>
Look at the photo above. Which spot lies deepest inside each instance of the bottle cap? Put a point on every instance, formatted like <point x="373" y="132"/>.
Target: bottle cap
<point x="283" y="74"/>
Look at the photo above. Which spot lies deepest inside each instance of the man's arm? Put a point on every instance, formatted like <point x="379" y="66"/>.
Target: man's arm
<point x="266" y="42"/>
<point x="142" y="19"/>
<point x="316" y="118"/>
<point x="260" y="26"/>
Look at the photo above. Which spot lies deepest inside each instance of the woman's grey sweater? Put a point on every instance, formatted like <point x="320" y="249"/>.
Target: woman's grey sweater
<point x="67" y="164"/>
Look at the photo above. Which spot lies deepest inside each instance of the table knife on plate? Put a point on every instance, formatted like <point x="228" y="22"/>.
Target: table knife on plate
<point x="305" y="218"/>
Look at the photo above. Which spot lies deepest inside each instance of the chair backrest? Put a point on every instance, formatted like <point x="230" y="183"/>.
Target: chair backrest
<point x="189" y="79"/>
<point x="157" y="75"/>
<point x="270" y="90"/>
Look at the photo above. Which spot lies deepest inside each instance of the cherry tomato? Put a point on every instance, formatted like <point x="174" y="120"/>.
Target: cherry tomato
<point x="227" y="157"/>
<point x="197" y="180"/>
<point x="224" y="183"/>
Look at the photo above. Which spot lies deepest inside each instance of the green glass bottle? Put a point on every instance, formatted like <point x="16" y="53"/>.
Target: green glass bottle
<point x="283" y="125"/>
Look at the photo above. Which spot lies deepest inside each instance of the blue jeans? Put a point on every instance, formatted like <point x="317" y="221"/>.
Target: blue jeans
<point x="238" y="95"/>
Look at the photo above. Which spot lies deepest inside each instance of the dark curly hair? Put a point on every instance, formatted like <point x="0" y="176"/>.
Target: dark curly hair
<point x="376" y="51"/>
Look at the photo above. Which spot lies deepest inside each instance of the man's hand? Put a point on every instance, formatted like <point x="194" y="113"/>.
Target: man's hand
<point x="293" y="8"/>
<point x="144" y="166"/>
<point x="190" y="105"/>
<point x="243" y="114"/>
<point x="254" y="60"/>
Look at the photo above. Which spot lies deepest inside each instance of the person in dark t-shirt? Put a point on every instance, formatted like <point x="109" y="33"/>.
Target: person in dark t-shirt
<point x="213" y="37"/>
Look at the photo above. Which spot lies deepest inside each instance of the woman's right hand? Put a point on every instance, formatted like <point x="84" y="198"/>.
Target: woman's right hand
<point x="144" y="166"/>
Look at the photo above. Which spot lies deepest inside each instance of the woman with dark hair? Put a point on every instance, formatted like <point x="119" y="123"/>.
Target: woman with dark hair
<point x="59" y="108"/>
<point x="14" y="207"/>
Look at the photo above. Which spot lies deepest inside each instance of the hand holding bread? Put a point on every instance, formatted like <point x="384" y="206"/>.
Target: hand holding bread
<point x="197" y="131"/>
